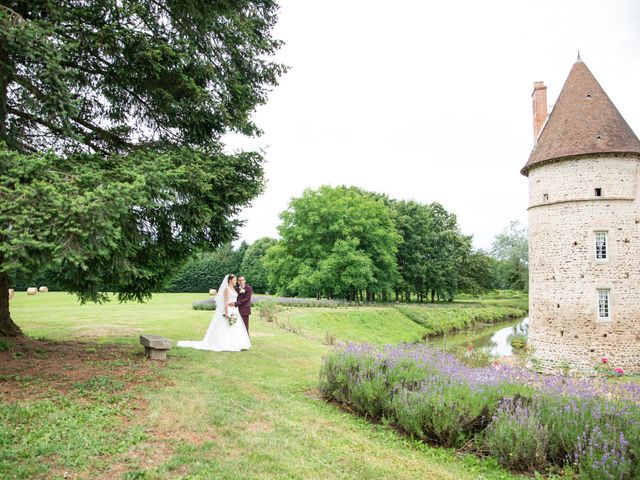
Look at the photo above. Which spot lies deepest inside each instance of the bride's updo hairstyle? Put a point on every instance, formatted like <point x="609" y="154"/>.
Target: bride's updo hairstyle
<point x="231" y="277"/>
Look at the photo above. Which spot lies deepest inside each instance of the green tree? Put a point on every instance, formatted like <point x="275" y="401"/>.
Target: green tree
<point x="205" y="270"/>
<point x="317" y="231"/>
<point x="413" y="221"/>
<point x="447" y="249"/>
<point x="111" y="115"/>
<point x="511" y="249"/>
<point x="432" y="253"/>
<point x="253" y="267"/>
<point x="478" y="274"/>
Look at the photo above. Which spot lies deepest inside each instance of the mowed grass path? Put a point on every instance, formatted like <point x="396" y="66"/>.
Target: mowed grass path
<point x="253" y="414"/>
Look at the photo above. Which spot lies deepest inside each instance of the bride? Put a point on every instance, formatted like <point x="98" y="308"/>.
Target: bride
<point x="226" y="332"/>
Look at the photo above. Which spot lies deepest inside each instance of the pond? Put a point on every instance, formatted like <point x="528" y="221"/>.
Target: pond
<point x="493" y="340"/>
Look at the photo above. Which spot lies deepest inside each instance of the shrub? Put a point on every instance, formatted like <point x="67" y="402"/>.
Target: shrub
<point x="269" y="311"/>
<point x="519" y="342"/>
<point x="330" y="338"/>
<point x="516" y="437"/>
<point x="203" y="305"/>
<point x="527" y="421"/>
<point x="258" y="300"/>
<point x="206" y="270"/>
<point x="603" y="454"/>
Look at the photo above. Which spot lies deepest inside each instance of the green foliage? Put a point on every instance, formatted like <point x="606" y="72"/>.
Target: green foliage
<point x="432" y="252"/>
<point x="269" y="311"/>
<point x="349" y="238"/>
<point x="526" y="424"/>
<point x="110" y="75"/>
<point x="46" y="276"/>
<point x="511" y="249"/>
<point x="335" y="242"/>
<point x="111" y="113"/>
<point x="253" y="267"/>
<point x="112" y="223"/>
<point x="207" y="306"/>
<point x="415" y="398"/>
<point x="205" y="271"/>
<point x="516" y="437"/>
<point x="519" y="342"/>
<point x="478" y="273"/>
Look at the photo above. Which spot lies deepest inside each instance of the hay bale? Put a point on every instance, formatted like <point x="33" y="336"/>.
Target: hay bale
<point x="43" y="289"/>
<point x="213" y="292"/>
<point x="12" y="293"/>
<point x="32" y="291"/>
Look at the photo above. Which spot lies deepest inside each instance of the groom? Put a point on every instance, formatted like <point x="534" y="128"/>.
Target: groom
<point x="244" y="300"/>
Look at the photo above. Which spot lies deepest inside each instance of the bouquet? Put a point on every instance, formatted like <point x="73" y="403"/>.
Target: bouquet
<point x="233" y="318"/>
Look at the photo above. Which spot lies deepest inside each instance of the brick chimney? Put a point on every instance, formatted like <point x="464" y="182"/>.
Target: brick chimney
<point x="539" y="97"/>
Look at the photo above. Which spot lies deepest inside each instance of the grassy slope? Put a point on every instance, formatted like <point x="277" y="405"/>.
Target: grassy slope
<point x="381" y="325"/>
<point x="363" y="324"/>
<point x="237" y="415"/>
<point x="508" y="298"/>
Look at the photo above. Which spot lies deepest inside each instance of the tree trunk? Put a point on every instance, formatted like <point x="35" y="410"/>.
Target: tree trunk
<point x="4" y="84"/>
<point x="7" y="327"/>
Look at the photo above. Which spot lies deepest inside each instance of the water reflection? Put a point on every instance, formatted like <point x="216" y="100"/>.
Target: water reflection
<point x="494" y="340"/>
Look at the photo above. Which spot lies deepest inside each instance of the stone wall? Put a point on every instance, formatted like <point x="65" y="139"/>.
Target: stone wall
<point x="564" y="213"/>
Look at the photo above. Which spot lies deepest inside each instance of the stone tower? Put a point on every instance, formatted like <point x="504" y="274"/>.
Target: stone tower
<point x="584" y="230"/>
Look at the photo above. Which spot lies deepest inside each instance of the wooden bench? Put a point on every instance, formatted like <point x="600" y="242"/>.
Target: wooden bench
<point x="155" y="346"/>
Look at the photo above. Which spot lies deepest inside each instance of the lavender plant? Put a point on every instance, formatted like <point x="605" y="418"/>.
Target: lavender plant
<point x="526" y="420"/>
<point x="515" y="436"/>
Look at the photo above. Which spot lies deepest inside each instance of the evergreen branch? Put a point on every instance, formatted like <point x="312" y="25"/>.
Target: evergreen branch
<point x="104" y="134"/>
<point x="55" y="129"/>
<point x="15" y="16"/>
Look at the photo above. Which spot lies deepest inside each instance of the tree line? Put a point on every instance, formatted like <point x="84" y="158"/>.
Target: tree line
<point x="344" y="242"/>
<point x="347" y="243"/>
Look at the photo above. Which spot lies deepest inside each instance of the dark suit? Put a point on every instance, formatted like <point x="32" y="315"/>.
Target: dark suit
<point x="244" y="303"/>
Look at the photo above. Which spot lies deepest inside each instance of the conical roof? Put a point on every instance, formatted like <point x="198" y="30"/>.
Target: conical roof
<point x="583" y="121"/>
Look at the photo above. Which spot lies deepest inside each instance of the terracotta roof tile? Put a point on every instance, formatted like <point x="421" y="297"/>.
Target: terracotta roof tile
<point x="583" y="121"/>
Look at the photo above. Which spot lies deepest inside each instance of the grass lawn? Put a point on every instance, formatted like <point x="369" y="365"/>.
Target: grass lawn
<point x="508" y="298"/>
<point x="253" y="414"/>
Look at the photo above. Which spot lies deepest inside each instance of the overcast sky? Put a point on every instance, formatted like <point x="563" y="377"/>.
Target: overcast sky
<point x="429" y="101"/>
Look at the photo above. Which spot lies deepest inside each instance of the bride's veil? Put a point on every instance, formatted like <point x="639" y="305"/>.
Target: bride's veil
<point x="219" y="299"/>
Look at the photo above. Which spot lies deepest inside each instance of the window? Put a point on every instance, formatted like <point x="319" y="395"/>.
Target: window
<point x="545" y="197"/>
<point x="603" y="304"/>
<point x="598" y="192"/>
<point x="601" y="245"/>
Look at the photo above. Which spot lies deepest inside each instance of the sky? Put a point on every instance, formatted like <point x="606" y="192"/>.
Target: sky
<point x="429" y="101"/>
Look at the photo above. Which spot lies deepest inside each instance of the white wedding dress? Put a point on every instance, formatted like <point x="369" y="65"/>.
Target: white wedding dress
<point x="220" y="336"/>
